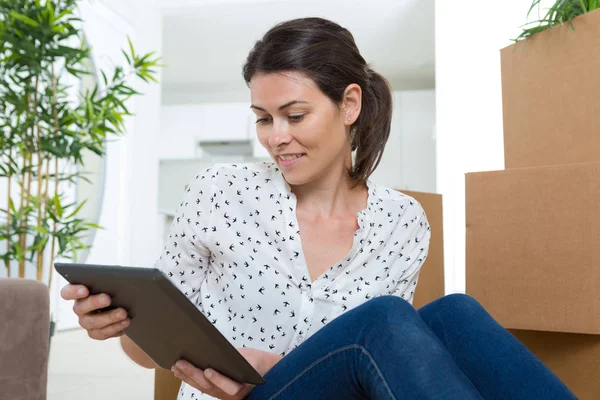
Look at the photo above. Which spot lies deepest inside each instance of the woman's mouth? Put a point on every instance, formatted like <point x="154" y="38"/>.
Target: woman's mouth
<point x="290" y="159"/>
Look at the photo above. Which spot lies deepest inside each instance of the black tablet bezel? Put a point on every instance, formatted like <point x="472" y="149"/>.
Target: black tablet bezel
<point x="139" y="290"/>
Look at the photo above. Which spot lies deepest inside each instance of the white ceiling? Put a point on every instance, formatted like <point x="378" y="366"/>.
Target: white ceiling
<point x="205" y="43"/>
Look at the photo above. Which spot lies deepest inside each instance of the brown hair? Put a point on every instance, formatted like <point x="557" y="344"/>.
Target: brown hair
<point x="327" y="53"/>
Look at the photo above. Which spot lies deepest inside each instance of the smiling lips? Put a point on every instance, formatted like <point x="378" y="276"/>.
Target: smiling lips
<point x="289" y="159"/>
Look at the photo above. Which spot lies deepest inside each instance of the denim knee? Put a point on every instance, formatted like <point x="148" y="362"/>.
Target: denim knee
<point x="458" y="302"/>
<point x="387" y="304"/>
<point x="452" y="307"/>
<point x="382" y="311"/>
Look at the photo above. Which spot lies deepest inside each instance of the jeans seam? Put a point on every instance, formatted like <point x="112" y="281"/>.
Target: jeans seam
<point x="378" y="372"/>
<point x="314" y="364"/>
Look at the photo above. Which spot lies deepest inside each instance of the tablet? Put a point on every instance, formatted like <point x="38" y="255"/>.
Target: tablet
<point x="165" y="324"/>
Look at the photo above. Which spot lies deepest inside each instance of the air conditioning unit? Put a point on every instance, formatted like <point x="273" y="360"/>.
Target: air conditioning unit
<point x="225" y="150"/>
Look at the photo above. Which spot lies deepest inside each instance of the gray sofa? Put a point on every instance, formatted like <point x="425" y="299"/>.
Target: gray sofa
<point x="24" y="326"/>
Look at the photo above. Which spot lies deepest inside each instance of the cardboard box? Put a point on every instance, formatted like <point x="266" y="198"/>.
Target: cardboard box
<point x="533" y="246"/>
<point x="575" y="359"/>
<point x="533" y="262"/>
<point x="533" y="230"/>
<point x="550" y="86"/>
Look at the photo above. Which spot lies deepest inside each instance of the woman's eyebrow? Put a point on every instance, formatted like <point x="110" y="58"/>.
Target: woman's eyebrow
<point x="291" y="103"/>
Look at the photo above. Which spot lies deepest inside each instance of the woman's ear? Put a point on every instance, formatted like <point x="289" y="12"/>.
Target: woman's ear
<point x="352" y="103"/>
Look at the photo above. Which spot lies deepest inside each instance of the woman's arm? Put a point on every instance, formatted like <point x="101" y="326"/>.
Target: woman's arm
<point x="137" y="354"/>
<point x="415" y="230"/>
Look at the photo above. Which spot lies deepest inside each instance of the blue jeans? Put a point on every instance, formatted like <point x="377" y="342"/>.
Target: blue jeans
<point x="385" y="349"/>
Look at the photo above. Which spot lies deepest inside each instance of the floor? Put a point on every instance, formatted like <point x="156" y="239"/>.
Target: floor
<point x="82" y="368"/>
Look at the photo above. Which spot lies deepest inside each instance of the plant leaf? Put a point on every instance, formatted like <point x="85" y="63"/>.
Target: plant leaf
<point x="131" y="48"/>
<point x="25" y="19"/>
<point x="59" y="209"/>
<point x="76" y="210"/>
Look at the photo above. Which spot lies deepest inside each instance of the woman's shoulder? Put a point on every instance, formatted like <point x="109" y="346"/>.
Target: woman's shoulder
<point x="388" y="200"/>
<point x="389" y="195"/>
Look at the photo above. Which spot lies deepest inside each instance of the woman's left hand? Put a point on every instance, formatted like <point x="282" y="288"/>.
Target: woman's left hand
<point x="217" y="385"/>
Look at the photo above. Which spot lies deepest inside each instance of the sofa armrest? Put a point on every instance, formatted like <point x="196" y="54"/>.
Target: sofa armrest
<point x="24" y="339"/>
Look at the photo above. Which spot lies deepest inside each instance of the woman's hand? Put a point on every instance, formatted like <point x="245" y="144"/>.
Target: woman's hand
<point x="99" y="325"/>
<point x="217" y="385"/>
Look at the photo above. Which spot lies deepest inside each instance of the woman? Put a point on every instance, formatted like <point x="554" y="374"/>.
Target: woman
<point x="308" y="267"/>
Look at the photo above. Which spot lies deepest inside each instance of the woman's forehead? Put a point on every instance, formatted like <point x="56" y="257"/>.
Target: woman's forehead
<point x="277" y="85"/>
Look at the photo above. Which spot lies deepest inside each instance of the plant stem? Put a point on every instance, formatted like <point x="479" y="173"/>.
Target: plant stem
<point x="54" y="222"/>
<point x="27" y="203"/>
<point x="26" y="196"/>
<point x="56" y="132"/>
<point x="21" y="259"/>
<point x="8" y="215"/>
<point x="45" y="210"/>
<point x="30" y="173"/>
<point x="40" y="250"/>
<point x="47" y="181"/>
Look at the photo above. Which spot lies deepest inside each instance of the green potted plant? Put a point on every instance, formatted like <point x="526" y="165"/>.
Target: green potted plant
<point x="562" y="11"/>
<point x="47" y="126"/>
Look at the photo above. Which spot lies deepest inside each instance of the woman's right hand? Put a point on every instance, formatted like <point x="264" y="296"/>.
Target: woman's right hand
<point x="99" y="325"/>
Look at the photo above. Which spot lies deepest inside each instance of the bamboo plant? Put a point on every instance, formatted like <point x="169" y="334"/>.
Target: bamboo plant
<point x="560" y="12"/>
<point x="44" y="132"/>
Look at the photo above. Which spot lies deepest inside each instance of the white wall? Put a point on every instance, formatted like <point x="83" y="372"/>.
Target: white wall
<point x="469" y="35"/>
<point x="409" y="158"/>
<point x="143" y="233"/>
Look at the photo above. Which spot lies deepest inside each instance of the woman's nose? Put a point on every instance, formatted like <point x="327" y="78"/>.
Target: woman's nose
<point x="279" y="136"/>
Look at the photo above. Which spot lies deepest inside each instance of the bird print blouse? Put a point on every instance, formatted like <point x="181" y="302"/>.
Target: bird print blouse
<point x="234" y="250"/>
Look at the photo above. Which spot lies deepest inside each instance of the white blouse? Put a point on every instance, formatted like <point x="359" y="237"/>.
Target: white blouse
<point x="234" y="250"/>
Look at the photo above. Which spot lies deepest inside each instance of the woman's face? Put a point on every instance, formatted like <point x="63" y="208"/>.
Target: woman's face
<point x="305" y="133"/>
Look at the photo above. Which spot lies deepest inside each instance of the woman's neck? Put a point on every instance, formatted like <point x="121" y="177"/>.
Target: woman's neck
<point x="331" y="197"/>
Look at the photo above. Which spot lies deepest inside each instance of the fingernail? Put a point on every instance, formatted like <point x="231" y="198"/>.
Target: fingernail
<point x="81" y="291"/>
<point x="208" y="373"/>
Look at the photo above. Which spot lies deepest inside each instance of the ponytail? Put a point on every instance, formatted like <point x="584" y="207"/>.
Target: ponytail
<point x="372" y="128"/>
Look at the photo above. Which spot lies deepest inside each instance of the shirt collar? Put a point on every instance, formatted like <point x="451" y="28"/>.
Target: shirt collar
<point x="364" y="216"/>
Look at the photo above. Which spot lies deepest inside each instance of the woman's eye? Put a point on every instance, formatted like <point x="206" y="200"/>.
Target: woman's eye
<point x="293" y="118"/>
<point x="262" y="121"/>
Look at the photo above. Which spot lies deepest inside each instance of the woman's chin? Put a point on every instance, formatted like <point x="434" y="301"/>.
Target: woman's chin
<point x="291" y="177"/>
<point x="294" y="177"/>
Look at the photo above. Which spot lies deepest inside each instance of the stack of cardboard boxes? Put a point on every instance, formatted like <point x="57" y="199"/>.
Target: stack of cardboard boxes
<point x="533" y="229"/>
